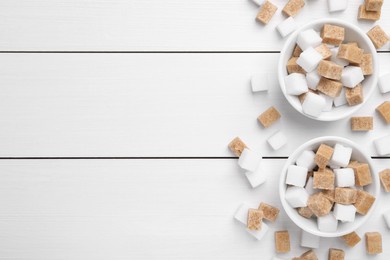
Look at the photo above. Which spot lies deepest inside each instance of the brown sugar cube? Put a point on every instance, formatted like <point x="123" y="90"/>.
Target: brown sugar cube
<point x="319" y="204"/>
<point x="268" y="117"/>
<point x="373" y="243"/>
<point x="266" y="12"/>
<point x="293" y="7"/>
<point x="293" y="67"/>
<point x="363" y="202"/>
<point x="362" y="123"/>
<point x="255" y="219"/>
<point x="373" y="5"/>
<point x="351" y="239"/>
<point x="305" y="212"/>
<point x="270" y="213"/>
<point x="378" y="36"/>
<point x="365" y="64"/>
<point x="332" y="34"/>
<point x="345" y="196"/>
<point x="384" y="111"/>
<point x="324" y="50"/>
<point x="282" y="241"/>
<point x="351" y="164"/>
<point x="329" y="87"/>
<point x="237" y="146"/>
<point x="297" y="51"/>
<point x="336" y="254"/>
<point x="353" y="44"/>
<point x="329" y="194"/>
<point x="354" y="95"/>
<point x="309" y="255"/>
<point x="323" y="155"/>
<point x="323" y="179"/>
<point x="330" y="70"/>
<point x="363" y="14"/>
<point x="362" y="174"/>
<point x="385" y="179"/>
<point x="350" y="53"/>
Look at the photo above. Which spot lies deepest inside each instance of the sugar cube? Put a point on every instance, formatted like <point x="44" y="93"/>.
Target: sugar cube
<point x="324" y="50"/>
<point x="366" y="64"/>
<point x="260" y="82"/>
<point x="345" y="196"/>
<point x="319" y="204"/>
<point x="309" y="240"/>
<point x="309" y="59"/>
<point x="330" y="70"/>
<point x="337" y="60"/>
<point x="324" y="179"/>
<point x="373" y="5"/>
<point x="327" y="223"/>
<point x="295" y="84"/>
<point x="255" y="219"/>
<point x="313" y="104"/>
<point x="313" y="78"/>
<point x="305" y="212"/>
<point x="337" y="5"/>
<point x="382" y="145"/>
<point x="309" y="38"/>
<point x="386" y="216"/>
<point x="241" y="214"/>
<point x="351" y="239"/>
<point x="287" y="26"/>
<point x="352" y="76"/>
<point x="296" y="175"/>
<point x="329" y="87"/>
<point x="270" y="213"/>
<point x="310" y="186"/>
<point x="257" y="177"/>
<point x="306" y="160"/>
<point x="363" y="123"/>
<point x="364" y="202"/>
<point x="384" y="111"/>
<point x="345" y="213"/>
<point x="293" y="67"/>
<point x="350" y="53"/>
<point x="373" y="243"/>
<point x="282" y="241"/>
<point x="249" y="160"/>
<point x="341" y="99"/>
<point x="341" y="155"/>
<point x="336" y="254"/>
<point x="277" y="140"/>
<point x="268" y="117"/>
<point x="363" y="14"/>
<point x="385" y="179"/>
<point x="309" y="255"/>
<point x="323" y="155"/>
<point x="332" y="34"/>
<point x="296" y="197"/>
<point x="354" y="95"/>
<point x="293" y="7"/>
<point x="297" y="51"/>
<point x="362" y="174"/>
<point x="237" y="146"/>
<point x="259" y="234"/>
<point x="328" y="101"/>
<point x="378" y="37"/>
<point x="345" y="177"/>
<point x="383" y="83"/>
<point x="267" y="11"/>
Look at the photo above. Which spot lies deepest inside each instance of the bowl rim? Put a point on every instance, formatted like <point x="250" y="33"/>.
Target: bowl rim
<point x="287" y="44"/>
<point x="282" y="189"/>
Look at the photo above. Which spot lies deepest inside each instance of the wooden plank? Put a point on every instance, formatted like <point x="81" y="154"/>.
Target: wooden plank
<point x="151" y="25"/>
<point x="142" y="209"/>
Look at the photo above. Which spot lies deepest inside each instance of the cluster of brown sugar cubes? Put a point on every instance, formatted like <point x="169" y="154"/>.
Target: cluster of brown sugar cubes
<point x="268" y="9"/>
<point x="370" y="10"/>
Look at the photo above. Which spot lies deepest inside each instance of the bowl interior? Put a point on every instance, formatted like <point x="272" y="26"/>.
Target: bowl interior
<point x="310" y="225"/>
<point x="352" y="34"/>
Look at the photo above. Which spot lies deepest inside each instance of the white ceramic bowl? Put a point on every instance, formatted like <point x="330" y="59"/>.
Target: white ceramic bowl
<point x="352" y="34"/>
<point x="310" y="225"/>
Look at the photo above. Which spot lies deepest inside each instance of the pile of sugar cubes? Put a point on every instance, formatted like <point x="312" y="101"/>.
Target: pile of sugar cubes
<point x="328" y="186"/>
<point x="325" y="72"/>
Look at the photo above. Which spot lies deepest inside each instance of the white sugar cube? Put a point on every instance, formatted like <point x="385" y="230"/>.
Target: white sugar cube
<point x="296" y="84"/>
<point x="384" y="83"/>
<point x="328" y="103"/>
<point x="306" y="159"/>
<point x="327" y="223"/>
<point x="341" y="99"/>
<point x="341" y="155"/>
<point x="337" y="5"/>
<point x="287" y="26"/>
<point x="382" y="145"/>
<point x="333" y="166"/>
<point x="334" y="58"/>
<point x="309" y="59"/>
<point x="249" y="160"/>
<point x="258" y="2"/>
<point x="313" y="78"/>
<point x="241" y="214"/>
<point x="313" y="104"/>
<point x="260" y="82"/>
<point x="296" y="197"/>
<point x="352" y="76"/>
<point x="345" y="213"/>
<point x="386" y="216"/>
<point x="309" y="186"/>
<point x="309" y="240"/>
<point x="259" y="234"/>
<point x="296" y="175"/>
<point x="309" y="38"/>
<point x="257" y="177"/>
<point x="344" y="177"/>
<point x="277" y="140"/>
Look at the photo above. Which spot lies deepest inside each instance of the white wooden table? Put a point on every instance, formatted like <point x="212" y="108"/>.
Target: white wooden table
<point x="115" y="117"/>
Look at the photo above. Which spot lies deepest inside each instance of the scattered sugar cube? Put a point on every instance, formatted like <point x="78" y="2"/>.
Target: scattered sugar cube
<point x="297" y="51"/>
<point x="305" y="212"/>
<point x="324" y="50"/>
<point x="313" y="79"/>
<point x="282" y="241"/>
<point x="345" y="196"/>
<point x="329" y="87"/>
<point x="336" y="254"/>
<point x="237" y="146"/>
<point x="382" y="145"/>
<point x="364" y="201"/>
<point x="366" y="64"/>
<point x="386" y="216"/>
<point x="249" y="160"/>
<point x="352" y="76"/>
<point x="309" y="255"/>
<point x="296" y="197"/>
<point x="257" y="177"/>
<point x="385" y="179"/>
<point x="362" y="174"/>
<point x="350" y="53"/>
<point x="293" y="67"/>
<point x="341" y="155"/>
<point x="363" y="14"/>
<point x="286" y="27"/>
<point x="373" y="243"/>
<point x="259" y="234"/>
<point x="260" y="82"/>
<point x="354" y="95"/>
<point x="306" y="160"/>
<point x="268" y="117"/>
<point x="293" y="7"/>
<point x="258" y="2"/>
<point x="309" y="59"/>
<point x="319" y="204"/>
<point x="323" y="155"/>
<point x="345" y="213"/>
<point x="363" y="123"/>
<point x="308" y="38"/>
<point x="255" y="219"/>
<point x="330" y="70"/>
<point x="323" y="179"/>
<point x="337" y="5"/>
<point x="332" y="34"/>
<point x="296" y="84"/>
<point x="270" y="213"/>
<point x="327" y="223"/>
<point x="296" y="176"/>
<point x="373" y="5"/>
<point x="334" y="58"/>
<point x="345" y="177"/>
<point x="383" y="83"/>
<point x="384" y="111"/>
<point x="277" y="140"/>
<point x="341" y="99"/>
<point x="378" y="37"/>
<point x="351" y="239"/>
<point x="241" y="214"/>
<point x="313" y="104"/>
<point x="267" y="11"/>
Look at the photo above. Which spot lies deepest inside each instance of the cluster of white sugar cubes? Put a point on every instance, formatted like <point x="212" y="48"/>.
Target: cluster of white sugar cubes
<point x="287" y="26"/>
<point x="241" y="216"/>
<point x="309" y="240"/>
<point x="337" y="5"/>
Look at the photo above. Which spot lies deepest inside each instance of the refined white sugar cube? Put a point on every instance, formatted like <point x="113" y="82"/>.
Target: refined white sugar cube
<point x="296" y="175"/>
<point x="309" y="186"/>
<point x="333" y="166"/>
<point x="306" y="159"/>
<point x="313" y="104"/>
<point x="309" y="59"/>
<point x="296" y="84"/>
<point x="296" y="197"/>
<point x="277" y="140"/>
<point x="309" y="240"/>
<point x="382" y="145"/>
<point x="328" y="103"/>
<point x="386" y="216"/>
<point x="384" y="83"/>
<point x="327" y="223"/>
<point x="352" y="76"/>
<point x="258" y="2"/>
<point x="313" y="78"/>
<point x="334" y="58"/>
<point x="345" y="213"/>
<point x="341" y="155"/>
<point x="287" y="26"/>
<point x="259" y="234"/>
<point x="341" y="99"/>
<point x="344" y="177"/>
<point x="241" y="214"/>
<point x="257" y="177"/>
<point x="260" y="82"/>
<point x="337" y="5"/>
<point x="309" y="38"/>
<point x="249" y="160"/>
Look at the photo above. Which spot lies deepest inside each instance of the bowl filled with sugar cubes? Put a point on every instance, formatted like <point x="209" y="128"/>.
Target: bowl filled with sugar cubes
<point x="329" y="187"/>
<point x="327" y="69"/>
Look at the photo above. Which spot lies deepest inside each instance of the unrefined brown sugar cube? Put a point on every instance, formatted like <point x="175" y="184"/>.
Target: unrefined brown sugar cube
<point x="373" y="5"/>
<point x="384" y="110"/>
<point x="330" y="70"/>
<point x="282" y="241"/>
<point x="305" y="212"/>
<point x="362" y="174"/>
<point x="266" y="12"/>
<point x="268" y="117"/>
<point x="323" y="155"/>
<point x="297" y="51"/>
<point x="351" y="239"/>
<point x="378" y="37"/>
<point x="329" y="194"/>
<point x="350" y="53"/>
<point x="364" y="201"/>
<point x="385" y="179"/>
<point x="353" y="43"/>
<point x="309" y="255"/>
<point x="324" y="50"/>
<point x="366" y="64"/>
<point x="255" y="219"/>
<point x="237" y="146"/>
<point x="323" y="179"/>
<point x="363" y="14"/>
<point x="270" y="213"/>
<point x="329" y="87"/>
<point x="373" y="243"/>
<point x="332" y="34"/>
<point x="354" y="95"/>
<point x="293" y="67"/>
<point x="319" y="204"/>
<point x="362" y="123"/>
<point x="336" y="254"/>
<point x="345" y="196"/>
<point x="293" y="7"/>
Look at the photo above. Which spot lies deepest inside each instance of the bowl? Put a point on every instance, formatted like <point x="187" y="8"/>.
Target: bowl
<point x="310" y="225"/>
<point x="352" y="33"/>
